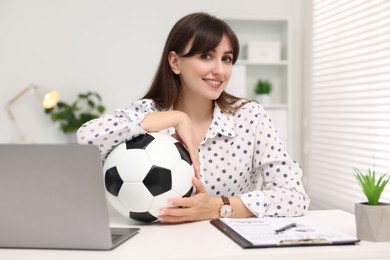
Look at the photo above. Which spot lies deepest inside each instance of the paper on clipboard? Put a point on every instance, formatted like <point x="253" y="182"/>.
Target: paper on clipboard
<point x="260" y="232"/>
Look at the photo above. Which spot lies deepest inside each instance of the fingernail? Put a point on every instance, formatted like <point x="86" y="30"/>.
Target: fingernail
<point x="162" y="212"/>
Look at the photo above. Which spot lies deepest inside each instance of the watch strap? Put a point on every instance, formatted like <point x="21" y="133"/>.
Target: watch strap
<point x="225" y="200"/>
<point x="226" y="210"/>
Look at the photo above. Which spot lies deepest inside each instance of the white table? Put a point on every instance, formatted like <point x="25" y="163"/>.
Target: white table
<point x="200" y="240"/>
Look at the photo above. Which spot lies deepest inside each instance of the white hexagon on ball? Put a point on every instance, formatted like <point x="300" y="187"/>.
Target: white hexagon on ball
<point x="135" y="197"/>
<point x="162" y="151"/>
<point x="182" y="175"/>
<point x="161" y="201"/>
<point x="134" y="170"/>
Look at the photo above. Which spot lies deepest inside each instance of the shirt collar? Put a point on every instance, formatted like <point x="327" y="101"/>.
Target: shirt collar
<point x="222" y="124"/>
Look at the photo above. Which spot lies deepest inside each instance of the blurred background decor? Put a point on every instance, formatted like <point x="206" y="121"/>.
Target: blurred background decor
<point x="263" y="91"/>
<point x="71" y="117"/>
<point x="47" y="99"/>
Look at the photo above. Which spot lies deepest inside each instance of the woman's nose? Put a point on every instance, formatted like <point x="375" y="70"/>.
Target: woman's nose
<point x="218" y="67"/>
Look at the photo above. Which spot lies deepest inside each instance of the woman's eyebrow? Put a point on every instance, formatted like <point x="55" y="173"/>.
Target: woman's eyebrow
<point x="225" y="52"/>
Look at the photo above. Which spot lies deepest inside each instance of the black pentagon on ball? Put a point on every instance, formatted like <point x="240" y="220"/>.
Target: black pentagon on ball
<point x="183" y="152"/>
<point x="142" y="216"/>
<point x="189" y="193"/>
<point x="139" y="142"/>
<point x="158" y="180"/>
<point x="113" y="181"/>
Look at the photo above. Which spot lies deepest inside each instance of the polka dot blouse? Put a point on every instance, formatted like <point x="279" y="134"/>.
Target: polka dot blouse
<point x="241" y="155"/>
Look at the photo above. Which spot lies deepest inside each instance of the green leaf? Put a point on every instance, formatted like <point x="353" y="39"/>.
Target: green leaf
<point x="62" y="105"/>
<point x="91" y="104"/>
<point x="83" y="96"/>
<point x="372" y="189"/>
<point x="54" y="117"/>
<point x="48" y="110"/>
<point x="101" y="109"/>
<point x="263" y="87"/>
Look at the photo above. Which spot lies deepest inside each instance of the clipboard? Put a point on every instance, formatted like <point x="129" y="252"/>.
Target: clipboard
<point x="260" y="233"/>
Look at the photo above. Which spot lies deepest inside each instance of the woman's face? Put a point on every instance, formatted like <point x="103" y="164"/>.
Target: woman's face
<point x="206" y="75"/>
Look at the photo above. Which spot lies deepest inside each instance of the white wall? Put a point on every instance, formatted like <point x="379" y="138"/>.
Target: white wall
<point x="112" y="47"/>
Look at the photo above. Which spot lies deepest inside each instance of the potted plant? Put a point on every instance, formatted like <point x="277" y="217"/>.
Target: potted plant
<point x="263" y="90"/>
<point x="372" y="217"/>
<point x="71" y="117"/>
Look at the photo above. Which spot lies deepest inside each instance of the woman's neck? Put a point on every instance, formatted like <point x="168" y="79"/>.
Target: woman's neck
<point x="199" y="110"/>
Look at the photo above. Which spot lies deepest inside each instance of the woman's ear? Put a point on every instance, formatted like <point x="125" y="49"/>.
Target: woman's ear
<point x="173" y="60"/>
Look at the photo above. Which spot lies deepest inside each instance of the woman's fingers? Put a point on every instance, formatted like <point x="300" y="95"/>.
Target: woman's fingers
<point x="188" y="209"/>
<point x="200" y="188"/>
<point x="195" y="163"/>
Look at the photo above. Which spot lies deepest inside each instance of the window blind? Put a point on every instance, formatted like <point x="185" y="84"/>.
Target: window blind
<point x="348" y="111"/>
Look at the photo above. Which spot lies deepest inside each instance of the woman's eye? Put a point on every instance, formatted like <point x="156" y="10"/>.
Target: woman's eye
<point x="227" y="59"/>
<point x="205" y="56"/>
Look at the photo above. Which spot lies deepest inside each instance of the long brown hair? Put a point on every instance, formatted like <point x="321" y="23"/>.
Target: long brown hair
<point x="206" y="32"/>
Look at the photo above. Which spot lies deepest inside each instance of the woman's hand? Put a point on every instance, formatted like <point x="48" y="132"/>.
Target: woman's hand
<point x="198" y="207"/>
<point x="184" y="132"/>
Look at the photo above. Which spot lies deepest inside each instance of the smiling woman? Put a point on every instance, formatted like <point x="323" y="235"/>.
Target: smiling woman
<point x="194" y="35"/>
<point x="211" y="70"/>
<point x="231" y="141"/>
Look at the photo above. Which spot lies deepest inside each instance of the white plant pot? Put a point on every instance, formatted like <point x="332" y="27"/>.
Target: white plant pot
<point x="263" y="99"/>
<point x="373" y="222"/>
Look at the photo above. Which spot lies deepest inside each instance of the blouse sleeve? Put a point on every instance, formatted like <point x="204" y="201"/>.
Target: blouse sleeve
<point x="282" y="193"/>
<point x="108" y="131"/>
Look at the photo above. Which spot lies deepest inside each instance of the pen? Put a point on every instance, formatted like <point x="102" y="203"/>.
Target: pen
<point x="284" y="228"/>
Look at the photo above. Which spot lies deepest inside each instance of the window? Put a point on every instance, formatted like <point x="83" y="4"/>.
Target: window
<point x="348" y="110"/>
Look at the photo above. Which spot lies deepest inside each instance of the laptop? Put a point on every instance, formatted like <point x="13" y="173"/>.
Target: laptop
<point x="52" y="196"/>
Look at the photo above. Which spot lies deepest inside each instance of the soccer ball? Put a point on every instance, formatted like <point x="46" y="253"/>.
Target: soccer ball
<point x="141" y="174"/>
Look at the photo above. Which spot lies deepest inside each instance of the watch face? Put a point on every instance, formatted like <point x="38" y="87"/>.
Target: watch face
<point x="226" y="211"/>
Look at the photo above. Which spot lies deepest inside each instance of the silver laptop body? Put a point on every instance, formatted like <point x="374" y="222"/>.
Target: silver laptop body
<point x="52" y="196"/>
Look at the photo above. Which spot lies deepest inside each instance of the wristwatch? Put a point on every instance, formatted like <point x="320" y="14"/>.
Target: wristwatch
<point x="226" y="210"/>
